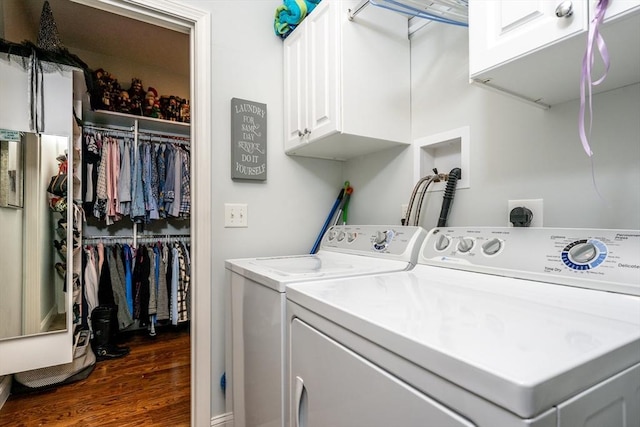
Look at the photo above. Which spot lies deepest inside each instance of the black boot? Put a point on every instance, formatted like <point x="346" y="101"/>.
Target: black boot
<point x="103" y="343"/>
<point x="115" y="325"/>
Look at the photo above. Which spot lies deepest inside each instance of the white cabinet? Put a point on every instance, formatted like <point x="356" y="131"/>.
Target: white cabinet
<point x="524" y="49"/>
<point x="346" y="83"/>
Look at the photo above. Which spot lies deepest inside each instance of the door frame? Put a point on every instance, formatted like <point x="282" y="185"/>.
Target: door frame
<point x="177" y="16"/>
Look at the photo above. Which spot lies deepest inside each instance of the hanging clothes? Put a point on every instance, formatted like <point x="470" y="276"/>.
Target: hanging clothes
<point x="90" y="282"/>
<point x="138" y="213"/>
<point x="161" y="279"/>
<point x="91" y="154"/>
<point x="145" y="181"/>
<point x="185" y="204"/>
<point x="149" y="284"/>
<point x="128" y="280"/>
<point x="153" y="290"/>
<point x="105" y="289"/>
<point x="116" y="267"/>
<point x="100" y="205"/>
<point x="113" y="177"/>
<point x="124" y="181"/>
<point x="162" y="173"/>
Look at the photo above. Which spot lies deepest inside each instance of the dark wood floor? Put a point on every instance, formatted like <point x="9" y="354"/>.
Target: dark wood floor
<point x="148" y="387"/>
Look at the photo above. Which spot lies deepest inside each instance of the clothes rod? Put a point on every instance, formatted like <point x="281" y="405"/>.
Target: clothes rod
<point x="90" y="126"/>
<point x="165" y="138"/>
<point x="154" y="236"/>
<point x="146" y="133"/>
<point x="145" y="238"/>
<point x="159" y="133"/>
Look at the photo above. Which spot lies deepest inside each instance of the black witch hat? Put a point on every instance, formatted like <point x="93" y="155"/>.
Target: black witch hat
<point x="48" y="37"/>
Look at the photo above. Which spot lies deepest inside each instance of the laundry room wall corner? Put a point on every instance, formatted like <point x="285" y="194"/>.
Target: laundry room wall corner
<point x="516" y="152"/>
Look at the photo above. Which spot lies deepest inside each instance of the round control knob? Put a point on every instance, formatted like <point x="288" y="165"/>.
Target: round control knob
<point x="492" y="246"/>
<point x="465" y="244"/>
<point x="331" y="235"/>
<point x="564" y="9"/>
<point x="583" y="253"/>
<point x="341" y="236"/>
<point x="351" y="237"/>
<point x="442" y="242"/>
<point x="382" y="239"/>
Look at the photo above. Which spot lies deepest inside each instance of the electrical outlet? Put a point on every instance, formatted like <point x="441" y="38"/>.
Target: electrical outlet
<point x="534" y="205"/>
<point x="235" y="215"/>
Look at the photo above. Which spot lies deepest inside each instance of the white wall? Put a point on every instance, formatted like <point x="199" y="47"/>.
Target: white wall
<point x="517" y="151"/>
<point x="286" y="212"/>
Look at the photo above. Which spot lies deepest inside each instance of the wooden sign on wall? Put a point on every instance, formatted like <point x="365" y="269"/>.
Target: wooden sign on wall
<point x="248" y="140"/>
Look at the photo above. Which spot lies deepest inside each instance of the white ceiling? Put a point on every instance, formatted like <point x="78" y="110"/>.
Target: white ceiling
<point x="94" y="30"/>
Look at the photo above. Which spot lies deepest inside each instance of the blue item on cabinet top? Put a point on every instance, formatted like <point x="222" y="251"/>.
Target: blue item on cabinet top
<point x="290" y="14"/>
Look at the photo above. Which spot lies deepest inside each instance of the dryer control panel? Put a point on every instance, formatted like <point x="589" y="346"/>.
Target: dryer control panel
<point x="396" y="242"/>
<point x="591" y="258"/>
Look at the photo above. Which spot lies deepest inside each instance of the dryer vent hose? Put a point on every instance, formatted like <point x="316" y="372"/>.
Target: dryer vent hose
<point x="449" y="192"/>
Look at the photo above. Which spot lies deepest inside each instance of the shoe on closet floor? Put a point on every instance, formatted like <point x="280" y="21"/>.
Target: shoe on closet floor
<point x="61" y="268"/>
<point x="104" y="323"/>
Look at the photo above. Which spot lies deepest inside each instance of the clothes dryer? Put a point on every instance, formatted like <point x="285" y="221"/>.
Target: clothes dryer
<point x="504" y="327"/>
<point x="258" y="308"/>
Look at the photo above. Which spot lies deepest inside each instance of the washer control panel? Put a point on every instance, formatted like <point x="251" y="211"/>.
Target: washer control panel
<point x="592" y="258"/>
<point x="375" y="240"/>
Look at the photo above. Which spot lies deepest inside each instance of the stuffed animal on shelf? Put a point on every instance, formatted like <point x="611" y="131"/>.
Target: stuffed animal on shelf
<point x="136" y="97"/>
<point x="124" y="103"/>
<point x="150" y="101"/>
<point x="185" y="111"/>
<point x="106" y="91"/>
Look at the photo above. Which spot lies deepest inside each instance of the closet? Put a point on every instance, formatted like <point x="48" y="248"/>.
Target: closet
<point x="135" y="199"/>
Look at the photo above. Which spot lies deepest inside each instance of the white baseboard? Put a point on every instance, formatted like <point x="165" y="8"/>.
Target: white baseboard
<point x="5" y="388"/>
<point x="48" y="319"/>
<point x="223" y="420"/>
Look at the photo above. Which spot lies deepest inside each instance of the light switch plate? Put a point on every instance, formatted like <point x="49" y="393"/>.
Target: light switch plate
<point x="235" y="215"/>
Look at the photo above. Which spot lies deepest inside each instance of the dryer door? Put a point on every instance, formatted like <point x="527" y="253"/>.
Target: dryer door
<point x="333" y="386"/>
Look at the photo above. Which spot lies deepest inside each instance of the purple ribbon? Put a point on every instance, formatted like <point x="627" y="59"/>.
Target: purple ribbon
<point x="593" y="37"/>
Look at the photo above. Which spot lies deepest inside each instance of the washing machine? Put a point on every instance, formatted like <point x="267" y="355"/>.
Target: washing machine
<point x="505" y="327"/>
<point x="258" y="381"/>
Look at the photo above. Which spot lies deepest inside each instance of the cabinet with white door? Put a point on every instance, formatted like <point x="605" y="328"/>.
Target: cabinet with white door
<point x="346" y="83"/>
<point x="534" y="49"/>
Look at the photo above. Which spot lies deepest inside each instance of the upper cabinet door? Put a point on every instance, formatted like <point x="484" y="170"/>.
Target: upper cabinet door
<point x="295" y="88"/>
<point x="324" y="71"/>
<point x="502" y="30"/>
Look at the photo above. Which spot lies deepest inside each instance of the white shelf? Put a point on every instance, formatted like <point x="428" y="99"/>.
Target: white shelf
<point x="112" y="118"/>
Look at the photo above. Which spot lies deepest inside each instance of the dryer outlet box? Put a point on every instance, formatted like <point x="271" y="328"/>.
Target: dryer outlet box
<point x="534" y="205"/>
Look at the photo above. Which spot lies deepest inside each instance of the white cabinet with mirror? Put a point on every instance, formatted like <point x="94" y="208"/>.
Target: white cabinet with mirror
<point x="35" y="320"/>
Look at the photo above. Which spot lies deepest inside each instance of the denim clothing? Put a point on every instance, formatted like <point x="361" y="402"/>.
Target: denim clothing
<point x="124" y="181"/>
<point x="138" y="212"/>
